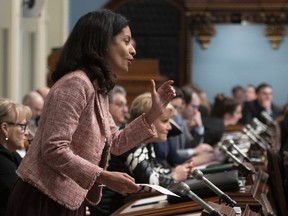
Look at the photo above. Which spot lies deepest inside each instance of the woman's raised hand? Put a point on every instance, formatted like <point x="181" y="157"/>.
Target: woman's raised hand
<point x="160" y="98"/>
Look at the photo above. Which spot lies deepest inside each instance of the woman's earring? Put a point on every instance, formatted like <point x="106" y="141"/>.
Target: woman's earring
<point x="6" y="138"/>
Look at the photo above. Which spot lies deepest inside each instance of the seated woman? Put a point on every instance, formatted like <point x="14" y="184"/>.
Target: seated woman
<point x="225" y="112"/>
<point x="13" y="134"/>
<point x="140" y="162"/>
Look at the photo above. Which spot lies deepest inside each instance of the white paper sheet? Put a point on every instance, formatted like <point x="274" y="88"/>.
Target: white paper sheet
<point x="160" y="189"/>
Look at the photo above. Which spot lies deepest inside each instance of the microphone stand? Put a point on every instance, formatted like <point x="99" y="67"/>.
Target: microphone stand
<point x="210" y="208"/>
<point x="234" y="146"/>
<point x="197" y="174"/>
<point x="184" y="190"/>
<point x="262" y="140"/>
<point x="254" y="139"/>
<point x="264" y="129"/>
<point x="244" y="168"/>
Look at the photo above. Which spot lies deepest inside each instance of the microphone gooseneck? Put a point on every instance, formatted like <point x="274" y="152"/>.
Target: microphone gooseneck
<point x="264" y="127"/>
<point x="184" y="190"/>
<point x="260" y="139"/>
<point x="246" y="170"/>
<point x="233" y="145"/>
<point x="267" y="117"/>
<point x="197" y="174"/>
<point x="252" y="137"/>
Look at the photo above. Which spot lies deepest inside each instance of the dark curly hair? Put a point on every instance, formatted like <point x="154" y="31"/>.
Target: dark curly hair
<point x="86" y="47"/>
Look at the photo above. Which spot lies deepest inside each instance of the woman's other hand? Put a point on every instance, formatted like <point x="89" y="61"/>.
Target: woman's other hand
<point x="182" y="172"/>
<point x="202" y="148"/>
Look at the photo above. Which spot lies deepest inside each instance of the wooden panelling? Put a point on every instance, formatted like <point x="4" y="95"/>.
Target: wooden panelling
<point x="137" y="80"/>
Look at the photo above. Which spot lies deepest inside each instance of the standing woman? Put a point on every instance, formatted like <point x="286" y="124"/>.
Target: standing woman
<point x="65" y="165"/>
<point x="13" y="134"/>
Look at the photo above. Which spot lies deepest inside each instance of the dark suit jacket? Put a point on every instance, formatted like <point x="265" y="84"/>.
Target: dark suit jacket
<point x="8" y="177"/>
<point x="166" y="153"/>
<point x="253" y="109"/>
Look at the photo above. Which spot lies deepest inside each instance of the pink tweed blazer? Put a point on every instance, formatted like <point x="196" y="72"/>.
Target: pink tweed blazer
<point x="75" y="136"/>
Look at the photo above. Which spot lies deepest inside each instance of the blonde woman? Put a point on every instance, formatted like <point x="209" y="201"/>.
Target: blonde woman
<point x="13" y="134"/>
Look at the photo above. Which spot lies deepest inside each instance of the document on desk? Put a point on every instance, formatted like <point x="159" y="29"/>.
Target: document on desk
<point x="146" y="203"/>
<point x="160" y="189"/>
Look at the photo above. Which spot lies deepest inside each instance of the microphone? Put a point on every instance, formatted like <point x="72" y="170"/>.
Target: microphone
<point x="233" y="145"/>
<point x="184" y="190"/>
<point x="262" y="126"/>
<point x="267" y="117"/>
<point x="258" y="137"/>
<point x="246" y="170"/>
<point x="197" y="174"/>
<point x="253" y="138"/>
<point x="250" y="136"/>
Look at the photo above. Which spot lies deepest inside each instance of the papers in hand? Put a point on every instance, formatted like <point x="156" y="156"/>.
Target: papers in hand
<point x="160" y="189"/>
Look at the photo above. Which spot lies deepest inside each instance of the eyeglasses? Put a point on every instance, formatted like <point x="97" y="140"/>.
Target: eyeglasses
<point x="22" y="126"/>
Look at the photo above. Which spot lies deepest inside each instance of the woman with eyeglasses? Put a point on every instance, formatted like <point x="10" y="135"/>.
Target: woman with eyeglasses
<point x="13" y="121"/>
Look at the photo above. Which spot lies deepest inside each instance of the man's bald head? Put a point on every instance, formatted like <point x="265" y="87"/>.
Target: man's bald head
<point x="35" y="101"/>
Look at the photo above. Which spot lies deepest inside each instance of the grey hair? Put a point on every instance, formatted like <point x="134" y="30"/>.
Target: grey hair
<point x="116" y="90"/>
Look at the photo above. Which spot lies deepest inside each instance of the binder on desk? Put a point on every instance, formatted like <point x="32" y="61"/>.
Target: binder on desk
<point x="217" y="168"/>
<point x="225" y="181"/>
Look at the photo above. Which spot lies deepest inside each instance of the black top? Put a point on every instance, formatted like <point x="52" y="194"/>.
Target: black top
<point x="214" y="130"/>
<point x="253" y="109"/>
<point x="8" y="177"/>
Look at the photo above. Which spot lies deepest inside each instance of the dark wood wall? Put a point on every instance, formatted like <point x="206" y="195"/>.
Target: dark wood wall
<point x="158" y="28"/>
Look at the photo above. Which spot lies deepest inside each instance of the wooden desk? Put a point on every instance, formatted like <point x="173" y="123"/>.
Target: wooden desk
<point x="253" y="202"/>
<point x="161" y="207"/>
<point x="234" y="128"/>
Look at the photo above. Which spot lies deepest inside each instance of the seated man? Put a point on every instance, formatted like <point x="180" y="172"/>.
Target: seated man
<point x="118" y="105"/>
<point x="179" y="148"/>
<point x="36" y="102"/>
<point x="188" y="117"/>
<point x="238" y="93"/>
<point x="250" y="93"/>
<point x="263" y="102"/>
